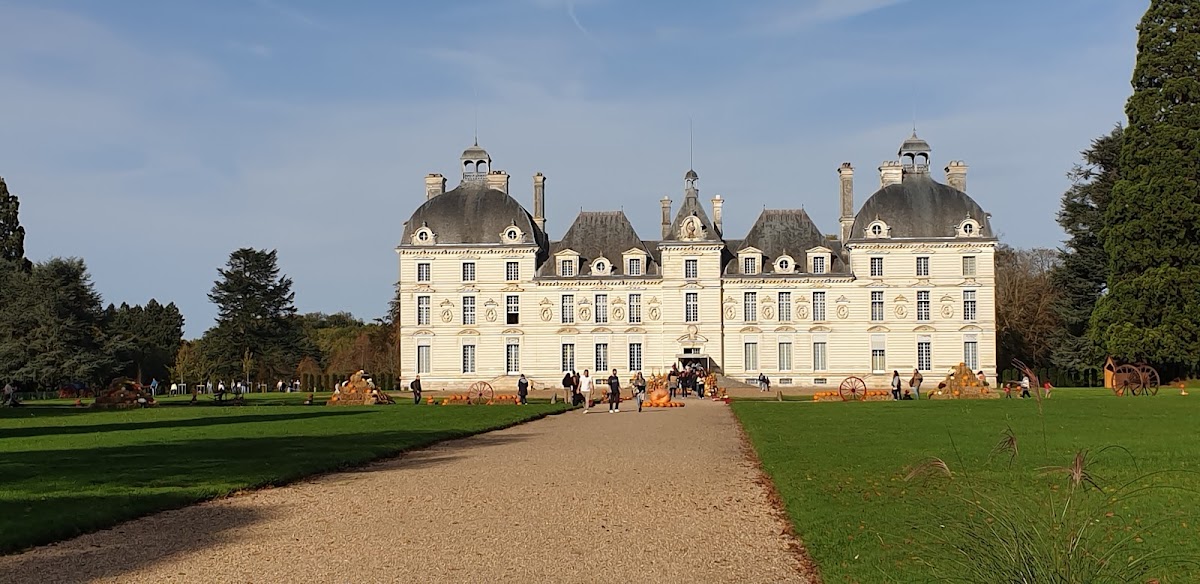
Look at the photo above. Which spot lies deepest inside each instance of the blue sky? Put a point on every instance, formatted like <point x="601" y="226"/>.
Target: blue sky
<point x="153" y="138"/>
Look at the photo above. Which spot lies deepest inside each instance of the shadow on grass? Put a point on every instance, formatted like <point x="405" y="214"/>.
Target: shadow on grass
<point x="173" y="423"/>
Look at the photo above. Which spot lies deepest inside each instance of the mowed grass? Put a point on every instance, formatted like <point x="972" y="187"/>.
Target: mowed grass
<point x="66" y="471"/>
<point x="840" y="467"/>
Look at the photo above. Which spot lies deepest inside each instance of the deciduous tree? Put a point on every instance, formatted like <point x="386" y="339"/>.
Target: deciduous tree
<point x="1026" y="321"/>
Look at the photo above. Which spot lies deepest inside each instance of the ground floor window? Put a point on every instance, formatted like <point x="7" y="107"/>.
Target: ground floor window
<point x="601" y="357"/>
<point x="568" y="356"/>
<point x="468" y="359"/>
<point x="924" y="355"/>
<point x="819" y="356"/>
<point x="512" y="357"/>
<point x="971" y="355"/>
<point x="785" y="356"/>
<point x="878" y="360"/>
<point x="750" y="355"/>
<point x="423" y="359"/>
<point x="635" y="357"/>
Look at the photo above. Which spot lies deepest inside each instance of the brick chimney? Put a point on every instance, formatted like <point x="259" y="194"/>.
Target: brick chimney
<point x="717" y="203"/>
<point x="539" y="200"/>
<point x="956" y="175"/>
<point x="666" y="216"/>
<point x="435" y="184"/>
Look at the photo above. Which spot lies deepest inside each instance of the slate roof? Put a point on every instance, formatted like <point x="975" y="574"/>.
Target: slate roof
<point x="920" y="208"/>
<point x="472" y="214"/>
<point x="785" y="232"/>
<point x="596" y="234"/>
<point x="691" y="206"/>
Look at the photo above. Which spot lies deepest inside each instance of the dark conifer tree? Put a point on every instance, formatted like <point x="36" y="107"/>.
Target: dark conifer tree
<point x="12" y="235"/>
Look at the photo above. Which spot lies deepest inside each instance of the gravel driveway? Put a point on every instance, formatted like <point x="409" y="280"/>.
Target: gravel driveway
<point x="667" y="495"/>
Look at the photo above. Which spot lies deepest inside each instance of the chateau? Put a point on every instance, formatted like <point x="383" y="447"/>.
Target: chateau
<point x="908" y="282"/>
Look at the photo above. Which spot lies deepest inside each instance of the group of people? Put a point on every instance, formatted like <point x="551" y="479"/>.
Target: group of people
<point x="691" y="379"/>
<point x="581" y="387"/>
<point x="913" y="391"/>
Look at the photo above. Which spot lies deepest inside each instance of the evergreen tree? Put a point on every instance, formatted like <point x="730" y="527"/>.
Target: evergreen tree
<point x="12" y="235"/>
<point x="257" y="333"/>
<point x="145" y="340"/>
<point x="1082" y="273"/>
<point x="1152" y="225"/>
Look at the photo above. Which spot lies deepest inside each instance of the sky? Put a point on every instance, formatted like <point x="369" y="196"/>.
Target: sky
<point x="154" y="138"/>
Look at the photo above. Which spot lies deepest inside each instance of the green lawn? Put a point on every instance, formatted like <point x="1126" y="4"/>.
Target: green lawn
<point x="840" y="468"/>
<point x="66" y="471"/>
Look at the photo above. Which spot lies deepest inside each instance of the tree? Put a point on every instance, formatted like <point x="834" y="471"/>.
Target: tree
<point x="1026" y="320"/>
<point x="145" y="339"/>
<point x="257" y="330"/>
<point x="1082" y="272"/>
<point x="12" y="235"/>
<point x="1152" y="225"/>
<point x="190" y="366"/>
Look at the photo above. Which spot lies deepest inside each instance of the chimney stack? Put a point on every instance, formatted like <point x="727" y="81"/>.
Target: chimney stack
<point x="890" y="173"/>
<point x="717" y="203"/>
<point x="435" y="184"/>
<point x="846" y="174"/>
<point x="956" y="175"/>
<point x="498" y="180"/>
<point x="539" y="200"/>
<point x="666" y="217"/>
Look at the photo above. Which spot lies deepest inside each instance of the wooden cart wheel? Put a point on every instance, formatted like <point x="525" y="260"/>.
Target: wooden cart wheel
<point x="480" y="393"/>
<point x="853" y="389"/>
<point x="1150" y="380"/>
<point x="1127" y="380"/>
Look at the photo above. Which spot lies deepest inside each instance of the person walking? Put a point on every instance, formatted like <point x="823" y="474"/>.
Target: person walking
<point x="1024" y="386"/>
<point x="639" y="389"/>
<point x="523" y="390"/>
<point x="896" y="385"/>
<point x="585" y="389"/>
<point x="614" y="393"/>
<point x="764" y="384"/>
<point x="673" y="381"/>
<point x="568" y="383"/>
<point x="415" y="386"/>
<point x="915" y="382"/>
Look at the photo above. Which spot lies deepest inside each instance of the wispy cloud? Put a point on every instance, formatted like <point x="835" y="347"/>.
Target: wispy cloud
<point x="799" y="15"/>
<point x="289" y="12"/>
<point x="257" y="49"/>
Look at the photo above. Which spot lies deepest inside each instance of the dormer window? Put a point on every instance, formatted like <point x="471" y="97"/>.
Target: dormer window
<point x="566" y="267"/>
<point x="512" y="234"/>
<point x="785" y="264"/>
<point x="749" y="265"/>
<point x="968" y="228"/>
<point x="877" y="229"/>
<point x="818" y="266"/>
<point x="423" y="236"/>
<point x="635" y="267"/>
<point x="750" y="259"/>
<point x="636" y="261"/>
<point x="601" y="267"/>
<point x="819" y="259"/>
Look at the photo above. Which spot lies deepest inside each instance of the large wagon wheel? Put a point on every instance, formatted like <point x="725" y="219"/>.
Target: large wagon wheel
<point x="480" y="392"/>
<point x="853" y="389"/>
<point x="1150" y="379"/>
<point x="1127" y="380"/>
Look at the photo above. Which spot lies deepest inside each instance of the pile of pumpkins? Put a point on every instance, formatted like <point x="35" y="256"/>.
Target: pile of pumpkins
<point x="826" y="395"/>
<point x="670" y="404"/>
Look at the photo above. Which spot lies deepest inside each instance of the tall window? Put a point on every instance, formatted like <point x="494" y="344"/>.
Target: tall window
<point x="785" y="306"/>
<point x="750" y="306"/>
<point x="512" y="305"/>
<point x="601" y="358"/>
<point x="568" y="308"/>
<point x="876" y="267"/>
<point x="512" y="271"/>
<point x="635" y="357"/>
<point x="968" y="304"/>
<point x="818" y="264"/>
<point x="691" y="307"/>
<point x="512" y="356"/>
<point x="971" y="355"/>
<point x="968" y="265"/>
<point x="691" y="269"/>
<point x="422" y="310"/>
<point x="749" y="265"/>
<point x="785" y="356"/>
<point x="601" y="308"/>
<point x="818" y="306"/>
<point x="635" y="267"/>
<point x="750" y="356"/>
<point x="924" y="355"/>
<point x="878" y="353"/>
<point x="468" y="316"/>
<point x="423" y="272"/>
<point x="568" y="356"/>
<point x="635" y="309"/>
<point x="923" y="305"/>
<point x="468" y="359"/>
<point x="923" y="266"/>
<point x="566" y="267"/>
<point x="423" y="359"/>
<point x="877" y="305"/>
<point x="468" y="271"/>
<point x="818" y="355"/>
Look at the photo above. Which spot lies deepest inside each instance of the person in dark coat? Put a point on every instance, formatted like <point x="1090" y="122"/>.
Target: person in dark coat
<point x="639" y="389"/>
<point x="523" y="389"/>
<point x="614" y="393"/>
<point x="896" y="385"/>
<point x="415" y="386"/>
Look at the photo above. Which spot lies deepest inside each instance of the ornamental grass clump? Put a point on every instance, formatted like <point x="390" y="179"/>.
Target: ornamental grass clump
<point x="1070" y="526"/>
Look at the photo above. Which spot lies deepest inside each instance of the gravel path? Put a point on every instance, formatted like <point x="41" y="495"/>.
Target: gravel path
<point x="667" y="495"/>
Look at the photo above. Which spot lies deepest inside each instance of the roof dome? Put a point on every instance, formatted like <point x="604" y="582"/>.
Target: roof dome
<point x="472" y="214"/>
<point x="691" y="175"/>
<point x="475" y="152"/>
<point x="920" y="207"/>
